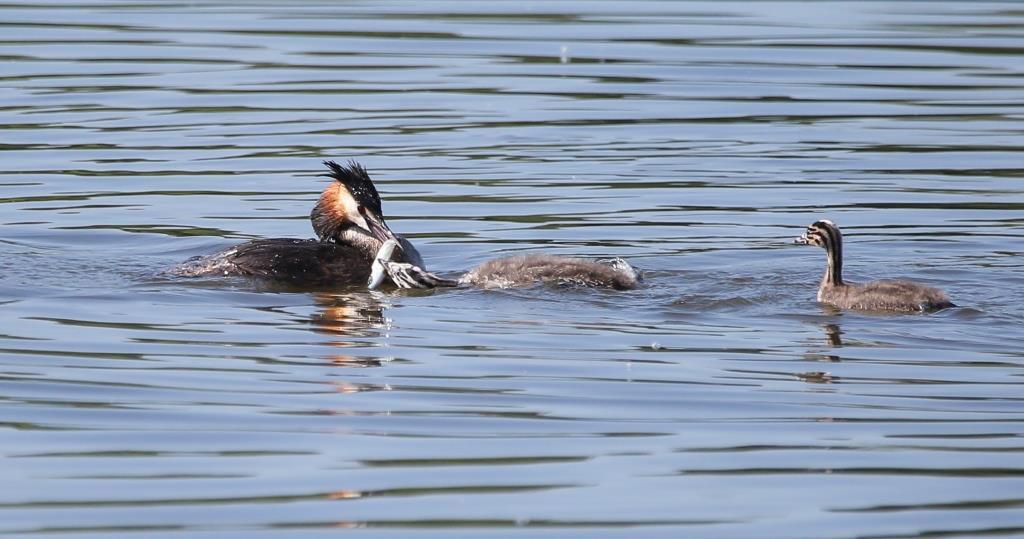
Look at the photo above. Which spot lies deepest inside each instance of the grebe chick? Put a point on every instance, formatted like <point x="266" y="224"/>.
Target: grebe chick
<point x="509" y="272"/>
<point x="886" y="295"/>
<point x="529" y="269"/>
<point x="350" y="228"/>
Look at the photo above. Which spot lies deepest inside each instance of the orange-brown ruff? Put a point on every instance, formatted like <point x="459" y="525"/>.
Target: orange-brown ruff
<point x="885" y="295"/>
<point x="350" y="227"/>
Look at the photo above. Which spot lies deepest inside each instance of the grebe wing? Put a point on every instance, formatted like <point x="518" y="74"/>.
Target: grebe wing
<point x="300" y="261"/>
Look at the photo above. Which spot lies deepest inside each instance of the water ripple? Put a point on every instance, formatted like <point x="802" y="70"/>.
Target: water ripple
<point x="697" y="140"/>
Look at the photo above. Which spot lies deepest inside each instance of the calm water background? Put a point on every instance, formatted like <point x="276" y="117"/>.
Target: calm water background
<point x="694" y="139"/>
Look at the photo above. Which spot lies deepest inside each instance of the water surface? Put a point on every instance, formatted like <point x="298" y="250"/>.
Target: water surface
<point x="694" y="139"/>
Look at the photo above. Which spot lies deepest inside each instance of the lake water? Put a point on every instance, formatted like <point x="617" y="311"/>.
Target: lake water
<point x="694" y="139"/>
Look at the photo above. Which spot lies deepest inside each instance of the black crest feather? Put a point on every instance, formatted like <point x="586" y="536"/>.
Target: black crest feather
<point x="357" y="180"/>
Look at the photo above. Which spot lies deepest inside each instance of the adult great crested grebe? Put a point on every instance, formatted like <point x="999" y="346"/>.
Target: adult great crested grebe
<point x="886" y="295"/>
<point x="350" y="229"/>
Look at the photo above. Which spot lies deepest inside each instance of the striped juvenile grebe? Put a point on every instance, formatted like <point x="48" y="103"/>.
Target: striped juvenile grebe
<point x="350" y="229"/>
<point x="905" y="296"/>
<point x="509" y="272"/>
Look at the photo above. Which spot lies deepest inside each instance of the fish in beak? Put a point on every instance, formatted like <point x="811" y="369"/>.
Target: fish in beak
<point x="375" y="225"/>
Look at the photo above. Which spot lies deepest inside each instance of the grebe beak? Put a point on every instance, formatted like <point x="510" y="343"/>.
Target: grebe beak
<point x="375" y="225"/>
<point x="802" y="240"/>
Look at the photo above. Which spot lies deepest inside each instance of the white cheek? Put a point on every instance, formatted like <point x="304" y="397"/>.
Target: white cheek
<point x="361" y="222"/>
<point x="351" y="210"/>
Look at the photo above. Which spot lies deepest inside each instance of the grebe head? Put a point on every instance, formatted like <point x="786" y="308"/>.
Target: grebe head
<point x="349" y="209"/>
<point x="823" y="233"/>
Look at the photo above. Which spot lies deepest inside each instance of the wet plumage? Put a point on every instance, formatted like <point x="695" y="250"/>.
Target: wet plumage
<point x="349" y="224"/>
<point x="884" y="295"/>
<point x="539" y="268"/>
<point x="350" y="227"/>
<point x="286" y="260"/>
<point x="509" y="272"/>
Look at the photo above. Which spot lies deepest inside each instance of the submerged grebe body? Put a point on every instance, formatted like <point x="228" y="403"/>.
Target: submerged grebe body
<point x="885" y="295"/>
<point x="296" y="261"/>
<point x="350" y="228"/>
<point x="509" y="272"/>
<point x="530" y="269"/>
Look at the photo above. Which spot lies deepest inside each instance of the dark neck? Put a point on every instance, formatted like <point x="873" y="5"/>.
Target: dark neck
<point x="834" y="250"/>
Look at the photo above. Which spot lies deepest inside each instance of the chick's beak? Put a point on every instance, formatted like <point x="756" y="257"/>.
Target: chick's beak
<point x="376" y="225"/>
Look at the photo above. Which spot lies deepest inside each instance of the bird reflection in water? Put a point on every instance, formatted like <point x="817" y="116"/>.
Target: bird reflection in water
<point x="354" y="320"/>
<point x="834" y="335"/>
<point x="349" y="319"/>
<point x="834" y="338"/>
